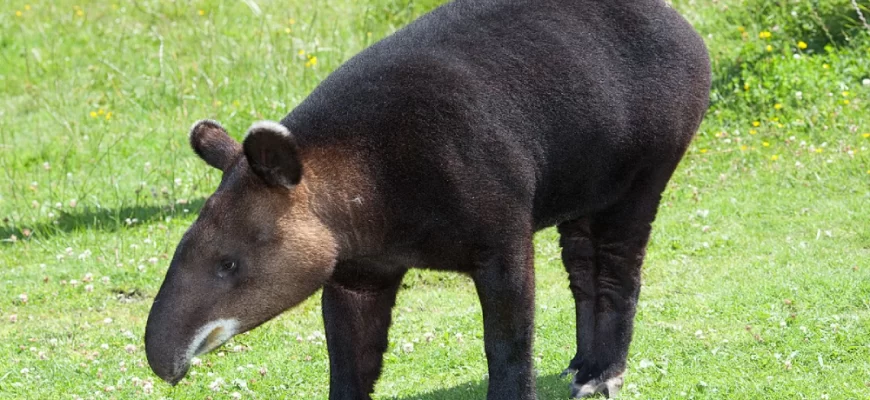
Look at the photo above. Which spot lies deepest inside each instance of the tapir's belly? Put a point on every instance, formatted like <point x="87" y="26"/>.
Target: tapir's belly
<point x="578" y="193"/>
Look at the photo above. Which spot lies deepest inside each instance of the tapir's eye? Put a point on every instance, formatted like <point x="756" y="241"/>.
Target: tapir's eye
<point x="227" y="267"/>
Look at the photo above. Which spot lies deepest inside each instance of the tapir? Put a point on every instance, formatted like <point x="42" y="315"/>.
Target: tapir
<point x="446" y="146"/>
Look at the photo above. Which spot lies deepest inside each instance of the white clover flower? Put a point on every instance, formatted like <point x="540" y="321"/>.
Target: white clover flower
<point x="216" y="384"/>
<point x="407" y="347"/>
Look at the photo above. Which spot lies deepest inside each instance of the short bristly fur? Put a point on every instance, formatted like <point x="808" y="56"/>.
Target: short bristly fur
<point x="448" y="145"/>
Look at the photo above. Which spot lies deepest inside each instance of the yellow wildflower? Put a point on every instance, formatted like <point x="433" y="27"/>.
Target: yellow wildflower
<point x="745" y="86"/>
<point x="741" y="29"/>
<point x="101" y="111"/>
<point x="802" y="45"/>
<point x="27" y="7"/>
<point x="108" y="115"/>
<point x="818" y="150"/>
<point x="765" y="35"/>
<point x="756" y="123"/>
<point x="846" y="94"/>
<point x="779" y="125"/>
<point x="312" y="61"/>
<point x="80" y="13"/>
<point x="774" y="157"/>
<point x="291" y="21"/>
<point x="826" y="66"/>
<point x="301" y="52"/>
<point x="93" y="114"/>
<point x="743" y="148"/>
<point x="288" y="30"/>
<point x="866" y="135"/>
<point x="769" y="48"/>
<point x="703" y="151"/>
<point x="777" y="106"/>
<point x="765" y="144"/>
<point x="752" y="131"/>
<point x="201" y="12"/>
<point x="17" y="13"/>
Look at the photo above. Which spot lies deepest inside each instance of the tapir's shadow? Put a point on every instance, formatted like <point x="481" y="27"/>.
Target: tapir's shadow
<point x="550" y="387"/>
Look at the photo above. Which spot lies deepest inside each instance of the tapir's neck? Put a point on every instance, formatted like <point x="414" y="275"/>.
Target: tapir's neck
<point x="343" y="195"/>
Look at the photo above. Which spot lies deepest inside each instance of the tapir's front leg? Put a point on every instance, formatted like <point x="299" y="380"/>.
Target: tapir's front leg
<point x="357" y="314"/>
<point x="505" y="283"/>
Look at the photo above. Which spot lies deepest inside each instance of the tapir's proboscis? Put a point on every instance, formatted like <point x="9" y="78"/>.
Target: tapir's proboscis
<point x="446" y="146"/>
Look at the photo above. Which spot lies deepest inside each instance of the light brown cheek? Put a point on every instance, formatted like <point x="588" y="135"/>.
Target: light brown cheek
<point x="314" y="249"/>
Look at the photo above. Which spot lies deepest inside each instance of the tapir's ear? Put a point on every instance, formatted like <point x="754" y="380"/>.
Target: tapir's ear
<point x="212" y="143"/>
<point x="272" y="154"/>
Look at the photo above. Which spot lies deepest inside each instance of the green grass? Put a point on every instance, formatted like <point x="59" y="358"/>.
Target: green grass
<point x="757" y="281"/>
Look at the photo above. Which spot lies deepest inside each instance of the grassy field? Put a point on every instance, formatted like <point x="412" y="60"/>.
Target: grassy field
<point x="757" y="281"/>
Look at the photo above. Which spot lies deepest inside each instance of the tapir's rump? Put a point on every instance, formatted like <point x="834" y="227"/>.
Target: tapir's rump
<point x="447" y="145"/>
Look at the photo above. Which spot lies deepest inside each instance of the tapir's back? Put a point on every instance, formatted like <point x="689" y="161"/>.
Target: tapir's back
<point x="559" y="103"/>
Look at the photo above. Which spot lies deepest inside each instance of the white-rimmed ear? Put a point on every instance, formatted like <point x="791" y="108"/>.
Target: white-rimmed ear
<point x="212" y="143"/>
<point x="272" y="154"/>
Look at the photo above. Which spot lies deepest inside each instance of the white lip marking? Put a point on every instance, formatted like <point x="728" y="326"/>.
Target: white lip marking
<point x="210" y="336"/>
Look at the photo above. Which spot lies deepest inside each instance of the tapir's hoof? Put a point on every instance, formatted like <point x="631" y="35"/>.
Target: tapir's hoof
<point x="608" y="387"/>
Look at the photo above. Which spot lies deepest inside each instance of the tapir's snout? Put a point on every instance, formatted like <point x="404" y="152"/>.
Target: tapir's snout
<point x="164" y="361"/>
<point x="170" y="344"/>
<point x="162" y="349"/>
<point x="172" y="375"/>
<point x="175" y="334"/>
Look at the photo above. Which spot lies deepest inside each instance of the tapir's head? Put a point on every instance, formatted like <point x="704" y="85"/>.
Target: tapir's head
<point x="256" y="249"/>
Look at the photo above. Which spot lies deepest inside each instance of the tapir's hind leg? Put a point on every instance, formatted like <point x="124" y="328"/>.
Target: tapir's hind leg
<point x="357" y="318"/>
<point x="603" y="256"/>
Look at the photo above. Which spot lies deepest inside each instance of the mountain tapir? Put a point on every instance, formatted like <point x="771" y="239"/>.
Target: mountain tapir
<point x="447" y="145"/>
